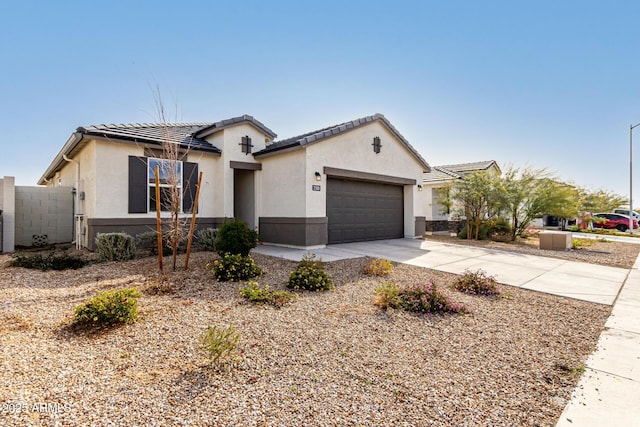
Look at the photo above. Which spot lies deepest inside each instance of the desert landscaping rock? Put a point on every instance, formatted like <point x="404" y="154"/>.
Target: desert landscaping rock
<point x="602" y="252"/>
<point x="327" y="359"/>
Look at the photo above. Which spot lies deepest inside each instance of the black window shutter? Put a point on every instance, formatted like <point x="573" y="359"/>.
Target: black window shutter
<point x="138" y="200"/>
<point x="189" y="183"/>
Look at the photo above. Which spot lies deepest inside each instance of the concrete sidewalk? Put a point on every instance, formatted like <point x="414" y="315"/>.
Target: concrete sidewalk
<point x="609" y="391"/>
<point x="588" y="282"/>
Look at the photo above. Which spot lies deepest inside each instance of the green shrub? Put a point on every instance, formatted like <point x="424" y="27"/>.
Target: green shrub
<point x="582" y="243"/>
<point x="418" y="298"/>
<point x="476" y="283"/>
<point x="49" y="262"/>
<point x="109" y="307"/>
<point x="310" y="275"/>
<point x="385" y="294"/>
<point x="254" y="293"/>
<point x="482" y="232"/>
<point x="220" y="344"/>
<point x="575" y="228"/>
<point x="115" y="246"/>
<point x="235" y="237"/>
<point x="206" y="239"/>
<point x="235" y="267"/>
<point x="378" y="267"/>
<point x="499" y="229"/>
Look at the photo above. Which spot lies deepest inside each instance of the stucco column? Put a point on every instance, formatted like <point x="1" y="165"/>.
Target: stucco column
<point x="8" y="214"/>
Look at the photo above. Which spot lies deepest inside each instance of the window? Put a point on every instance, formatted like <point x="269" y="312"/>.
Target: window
<point x="142" y="187"/>
<point x="168" y="171"/>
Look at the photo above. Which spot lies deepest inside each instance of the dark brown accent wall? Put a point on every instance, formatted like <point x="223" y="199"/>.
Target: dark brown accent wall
<point x="420" y="226"/>
<point x="294" y="231"/>
<point x="444" y="226"/>
<point x="436" y="226"/>
<point x="134" y="226"/>
<point x="366" y="176"/>
<point x="246" y="166"/>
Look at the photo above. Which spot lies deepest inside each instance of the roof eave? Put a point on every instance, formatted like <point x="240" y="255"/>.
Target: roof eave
<point x="280" y="150"/>
<point x="123" y="138"/>
<point x="218" y="126"/>
<point x="73" y="141"/>
<point x="328" y="133"/>
<point x="398" y="135"/>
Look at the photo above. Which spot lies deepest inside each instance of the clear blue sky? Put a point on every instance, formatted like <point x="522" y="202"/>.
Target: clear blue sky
<point x="552" y="84"/>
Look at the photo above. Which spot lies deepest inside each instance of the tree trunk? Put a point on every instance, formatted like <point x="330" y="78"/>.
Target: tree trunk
<point x="467" y="215"/>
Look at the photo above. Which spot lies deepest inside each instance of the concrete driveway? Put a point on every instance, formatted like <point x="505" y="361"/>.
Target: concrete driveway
<point x="578" y="280"/>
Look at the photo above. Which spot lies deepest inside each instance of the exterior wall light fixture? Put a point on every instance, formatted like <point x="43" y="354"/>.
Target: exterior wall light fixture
<point x="419" y="187"/>
<point x="318" y="176"/>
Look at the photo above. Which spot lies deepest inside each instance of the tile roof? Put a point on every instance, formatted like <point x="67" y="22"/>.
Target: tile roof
<point x="154" y="133"/>
<point x="218" y="126"/>
<point x="469" y="167"/>
<point x="451" y="172"/>
<point x="320" y="134"/>
<point x="188" y="135"/>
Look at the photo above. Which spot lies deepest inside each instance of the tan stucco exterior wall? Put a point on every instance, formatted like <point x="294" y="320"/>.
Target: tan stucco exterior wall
<point x="353" y="150"/>
<point x="8" y="206"/>
<point x="228" y="140"/>
<point x="284" y="178"/>
<point x="433" y="209"/>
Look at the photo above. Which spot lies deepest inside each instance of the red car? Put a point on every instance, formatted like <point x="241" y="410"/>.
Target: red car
<point x="612" y="220"/>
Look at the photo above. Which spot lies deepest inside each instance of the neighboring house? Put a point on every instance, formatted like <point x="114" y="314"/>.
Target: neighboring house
<point x="350" y="182"/>
<point x="435" y="183"/>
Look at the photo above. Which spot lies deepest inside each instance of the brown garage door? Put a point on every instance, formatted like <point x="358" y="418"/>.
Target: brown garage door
<point x="360" y="211"/>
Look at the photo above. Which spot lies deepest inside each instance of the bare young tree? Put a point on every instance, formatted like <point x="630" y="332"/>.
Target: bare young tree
<point x="171" y="178"/>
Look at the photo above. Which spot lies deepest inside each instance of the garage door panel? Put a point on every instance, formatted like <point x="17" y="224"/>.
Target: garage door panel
<point x="360" y="211"/>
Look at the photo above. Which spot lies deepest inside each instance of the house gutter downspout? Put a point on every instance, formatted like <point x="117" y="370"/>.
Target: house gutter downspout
<point x="76" y="217"/>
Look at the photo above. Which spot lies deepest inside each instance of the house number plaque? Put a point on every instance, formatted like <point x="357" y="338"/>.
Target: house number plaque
<point x="315" y="187"/>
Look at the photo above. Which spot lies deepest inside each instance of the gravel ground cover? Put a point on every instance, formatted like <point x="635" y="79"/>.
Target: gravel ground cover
<point x="327" y="359"/>
<point x="602" y="252"/>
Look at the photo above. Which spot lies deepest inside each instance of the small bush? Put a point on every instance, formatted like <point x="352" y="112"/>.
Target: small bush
<point x="254" y="293"/>
<point x="482" y="232"/>
<point x="385" y="294"/>
<point x="418" y="298"/>
<point x="582" y="243"/>
<point x="499" y="229"/>
<point x="235" y="267"/>
<point x="158" y="285"/>
<point x="206" y="239"/>
<point x="310" y="275"/>
<point x="575" y="228"/>
<point x="109" y="307"/>
<point x="476" y="283"/>
<point x="49" y="262"/>
<point x="498" y="225"/>
<point x="220" y="344"/>
<point x="378" y="267"/>
<point x="235" y="237"/>
<point x="115" y="246"/>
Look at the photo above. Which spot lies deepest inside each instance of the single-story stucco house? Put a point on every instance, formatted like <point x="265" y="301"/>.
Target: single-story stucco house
<point x="439" y="219"/>
<point x="359" y="180"/>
